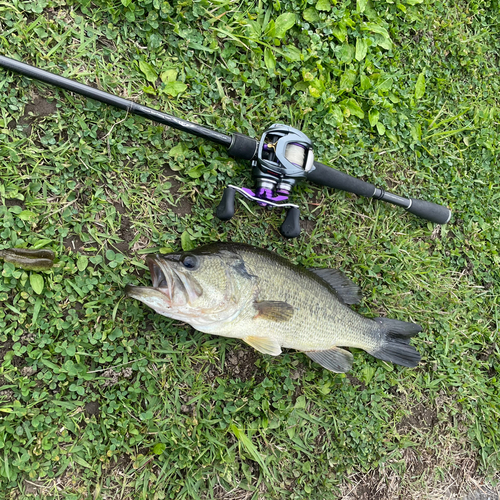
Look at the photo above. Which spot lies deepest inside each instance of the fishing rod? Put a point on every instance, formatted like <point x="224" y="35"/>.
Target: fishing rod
<point x="281" y="157"/>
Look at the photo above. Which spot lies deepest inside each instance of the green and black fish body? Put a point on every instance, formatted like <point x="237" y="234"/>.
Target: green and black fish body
<point x="240" y="291"/>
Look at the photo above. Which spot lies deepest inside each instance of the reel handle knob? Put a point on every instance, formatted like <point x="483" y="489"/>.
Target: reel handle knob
<point x="291" y="226"/>
<point x="225" y="210"/>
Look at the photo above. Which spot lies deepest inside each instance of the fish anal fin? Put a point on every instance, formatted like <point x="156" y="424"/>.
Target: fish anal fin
<point x="273" y="310"/>
<point x="336" y="359"/>
<point x="347" y="290"/>
<point x="265" y="345"/>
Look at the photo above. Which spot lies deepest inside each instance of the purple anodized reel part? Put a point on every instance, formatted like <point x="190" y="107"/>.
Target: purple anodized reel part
<point x="266" y="194"/>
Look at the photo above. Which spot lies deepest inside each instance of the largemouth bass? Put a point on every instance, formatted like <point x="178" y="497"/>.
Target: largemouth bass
<point x="240" y="291"/>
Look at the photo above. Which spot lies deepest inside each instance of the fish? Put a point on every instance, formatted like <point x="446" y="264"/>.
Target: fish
<point x="242" y="291"/>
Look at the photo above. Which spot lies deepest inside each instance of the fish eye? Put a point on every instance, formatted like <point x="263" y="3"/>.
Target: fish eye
<point x="190" y="262"/>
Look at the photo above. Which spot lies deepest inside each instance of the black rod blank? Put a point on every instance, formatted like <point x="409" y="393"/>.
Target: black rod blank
<point x="117" y="102"/>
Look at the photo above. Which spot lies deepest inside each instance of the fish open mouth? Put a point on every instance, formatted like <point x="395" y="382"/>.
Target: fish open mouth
<point x="172" y="281"/>
<point x="157" y="274"/>
<point x="171" y="286"/>
<point x="160" y="292"/>
<point x="163" y="277"/>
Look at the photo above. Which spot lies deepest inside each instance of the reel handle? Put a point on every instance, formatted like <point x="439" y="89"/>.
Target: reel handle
<point x="225" y="210"/>
<point x="291" y="226"/>
<point x="327" y="176"/>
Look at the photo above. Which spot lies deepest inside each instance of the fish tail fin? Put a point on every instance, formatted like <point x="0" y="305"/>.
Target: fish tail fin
<point x="395" y="342"/>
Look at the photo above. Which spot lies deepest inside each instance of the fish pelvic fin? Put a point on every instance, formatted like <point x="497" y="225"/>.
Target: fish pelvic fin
<point x="265" y="345"/>
<point x="336" y="359"/>
<point x="273" y="310"/>
<point x="395" y="342"/>
<point x="347" y="290"/>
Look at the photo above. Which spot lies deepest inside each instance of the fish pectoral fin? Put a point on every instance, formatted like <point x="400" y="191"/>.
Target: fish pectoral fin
<point x="273" y="310"/>
<point x="347" y="290"/>
<point x="264" y="345"/>
<point x="336" y="359"/>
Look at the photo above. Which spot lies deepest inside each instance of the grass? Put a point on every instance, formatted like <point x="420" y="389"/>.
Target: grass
<point x="102" y="398"/>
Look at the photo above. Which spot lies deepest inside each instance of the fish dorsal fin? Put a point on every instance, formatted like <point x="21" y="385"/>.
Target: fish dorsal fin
<point x="348" y="291"/>
<point x="264" y="345"/>
<point x="336" y="359"/>
<point x="273" y="310"/>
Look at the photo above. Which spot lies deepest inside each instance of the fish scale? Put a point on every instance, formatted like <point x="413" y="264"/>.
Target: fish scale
<point x="320" y="320"/>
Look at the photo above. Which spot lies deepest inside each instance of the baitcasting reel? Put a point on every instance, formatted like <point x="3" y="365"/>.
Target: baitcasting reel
<point x="281" y="157"/>
<point x="284" y="154"/>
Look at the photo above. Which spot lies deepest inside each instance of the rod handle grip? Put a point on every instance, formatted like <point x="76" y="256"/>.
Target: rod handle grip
<point x="430" y="211"/>
<point x="225" y="210"/>
<point x="327" y="176"/>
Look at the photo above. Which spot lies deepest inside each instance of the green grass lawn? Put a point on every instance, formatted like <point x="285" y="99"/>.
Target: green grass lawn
<point x="100" y="397"/>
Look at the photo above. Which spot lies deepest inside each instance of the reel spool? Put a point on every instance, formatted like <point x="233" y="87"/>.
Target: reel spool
<point x="284" y="155"/>
<point x="285" y="152"/>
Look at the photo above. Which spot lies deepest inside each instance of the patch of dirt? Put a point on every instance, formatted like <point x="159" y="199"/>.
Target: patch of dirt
<point x="123" y="462"/>
<point x="307" y="226"/>
<point x="73" y="243"/>
<point x="27" y="338"/>
<point x="299" y="372"/>
<point x="211" y="374"/>
<point x="240" y="364"/>
<point x="7" y="394"/>
<point x="27" y="371"/>
<point x="469" y="268"/>
<point x="370" y="487"/>
<point x="32" y="487"/>
<point x="488" y="356"/>
<point x="184" y="205"/>
<point x="355" y="382"/>
<point x="119" y="207"/>
<point x="16" y="361"/>
<point x="84" y="195"/>
<point x="92" y="408"/>
<point x="14" y="203"/>
<point x="113" y="377"/>
<point x="316" y="199"/>
<point x="126" y="232"/>
<point x="421" y="417"/>
<point x="39" y="107"/>
<point x="485" y="355"/>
